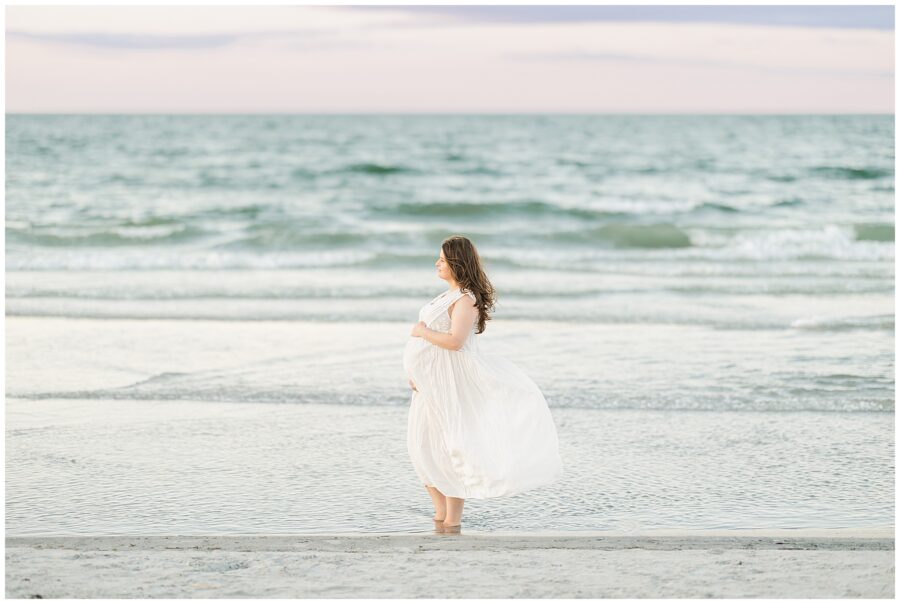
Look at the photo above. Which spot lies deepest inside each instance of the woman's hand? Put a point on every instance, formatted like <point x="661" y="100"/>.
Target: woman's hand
<point x="413" y="386"/>
<point x="418" y="329"/>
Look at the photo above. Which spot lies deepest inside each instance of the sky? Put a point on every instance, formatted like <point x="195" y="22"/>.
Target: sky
<point x="450" y="59"/>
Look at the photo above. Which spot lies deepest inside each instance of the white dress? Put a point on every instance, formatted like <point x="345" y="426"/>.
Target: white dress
<point x="479" y="427"/>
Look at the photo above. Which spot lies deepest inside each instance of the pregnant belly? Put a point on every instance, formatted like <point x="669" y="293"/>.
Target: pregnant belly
<point x="411" y="354"/>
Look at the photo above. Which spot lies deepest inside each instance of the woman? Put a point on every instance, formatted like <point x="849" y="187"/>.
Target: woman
<point x="479" y="427"/>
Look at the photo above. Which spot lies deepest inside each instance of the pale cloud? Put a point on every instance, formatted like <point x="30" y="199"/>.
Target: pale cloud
<point x="131" y="41"/>
<point x="830" y="16"/>
<point x="195" y="19"/>
<point x="733" y="65"/>
<point x="799" y="51"/>
<point x="296" y="59"/>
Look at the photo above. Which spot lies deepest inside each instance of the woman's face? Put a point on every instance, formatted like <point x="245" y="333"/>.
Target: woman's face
<point x="443" y="269"/>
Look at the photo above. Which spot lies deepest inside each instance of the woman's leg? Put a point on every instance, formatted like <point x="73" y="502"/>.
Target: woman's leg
<point x="439" y="501"/>
<point x="454" y="511"/>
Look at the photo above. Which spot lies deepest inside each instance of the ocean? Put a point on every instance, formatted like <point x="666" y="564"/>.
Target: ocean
<point x="683" y="289"/>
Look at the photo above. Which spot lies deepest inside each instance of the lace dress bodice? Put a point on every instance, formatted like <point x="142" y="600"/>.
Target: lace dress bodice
<point x="443" y="320"/>
<point x="436" y="316"/>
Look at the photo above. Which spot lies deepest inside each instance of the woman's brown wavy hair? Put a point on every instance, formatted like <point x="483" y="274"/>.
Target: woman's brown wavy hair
<point x="465" y="263"/>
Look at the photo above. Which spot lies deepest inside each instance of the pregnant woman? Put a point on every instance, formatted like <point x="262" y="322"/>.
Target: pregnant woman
<point x="479" y="427"/>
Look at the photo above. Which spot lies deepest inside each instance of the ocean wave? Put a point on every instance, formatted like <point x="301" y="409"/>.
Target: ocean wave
<point x="413" y="260"/>
<point x="525" y="208"/>
<point x="817" y="323"/>
<point x="718" y="207"/>
<point x="788" y="203"/>
<point x="874" y="232"/>
<point x="591" y="252"/>
<point x="649" y="236"/>
<point x="217" y="386"/>
<point x="849" y="173"/>
<point x="536" y="208"/>
<point x="670" y="310"/>
<point x="98" y="229"/>
<point x="376" y="169"/>
<point x="163" y="232"/>
<point x="90" y="259"/>
<point x="567" y="161"/>
<point x="287" y="235"/>
<point x="781" y="177"/>
<point x="303" y="286"/>
<point x="831" y="242"/>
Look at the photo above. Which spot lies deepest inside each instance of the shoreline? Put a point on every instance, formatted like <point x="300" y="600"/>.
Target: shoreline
<point x="342" y="542"/>
<point x="782" y="564"/>
<point x="862" y="533"/>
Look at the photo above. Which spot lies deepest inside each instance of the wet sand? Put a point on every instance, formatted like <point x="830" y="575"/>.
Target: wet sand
<point x="781" y="564"/>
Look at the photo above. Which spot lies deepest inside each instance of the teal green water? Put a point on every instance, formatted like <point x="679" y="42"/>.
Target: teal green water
<point x="774" y="232"/>
<point x="185" y="192"/>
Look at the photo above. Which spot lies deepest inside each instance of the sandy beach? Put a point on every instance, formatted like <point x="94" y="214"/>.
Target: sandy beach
<point x="714" y="564"/>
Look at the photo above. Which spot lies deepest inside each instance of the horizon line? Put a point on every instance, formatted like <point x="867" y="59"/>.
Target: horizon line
<point x="473" y="113"/>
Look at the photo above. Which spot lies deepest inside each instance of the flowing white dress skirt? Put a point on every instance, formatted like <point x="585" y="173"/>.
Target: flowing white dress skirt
<point x="478" y="427"/>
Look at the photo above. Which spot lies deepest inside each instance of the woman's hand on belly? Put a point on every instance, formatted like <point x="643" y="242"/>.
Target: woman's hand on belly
<point x="418" y="330"/>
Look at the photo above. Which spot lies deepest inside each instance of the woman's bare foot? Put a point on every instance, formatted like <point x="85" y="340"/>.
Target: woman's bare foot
<point x="451" y="528"/>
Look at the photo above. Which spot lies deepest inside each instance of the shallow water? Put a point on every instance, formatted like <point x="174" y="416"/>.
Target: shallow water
<point x="596" y="366"/>
<point x="181" y="467"/>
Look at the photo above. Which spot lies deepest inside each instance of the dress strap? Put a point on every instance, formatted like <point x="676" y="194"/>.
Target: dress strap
<point x="456" y="295"/>
<point x="442" y="303"/>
